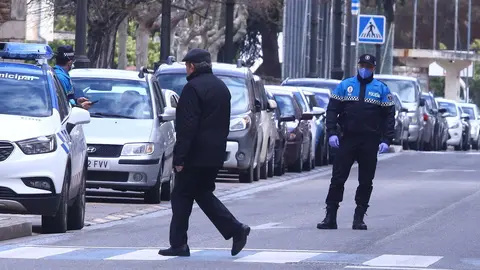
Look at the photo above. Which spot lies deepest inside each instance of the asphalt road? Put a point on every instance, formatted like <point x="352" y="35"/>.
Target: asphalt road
<point x="424" y="215"/>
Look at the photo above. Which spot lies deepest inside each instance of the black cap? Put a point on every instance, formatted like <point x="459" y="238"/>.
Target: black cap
<point x="65" y="52"/>
<point x="367" y="59"/>
<point x="197" y="56"/>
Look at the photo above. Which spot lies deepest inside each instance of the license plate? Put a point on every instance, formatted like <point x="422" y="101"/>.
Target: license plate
<point x="98" y="164"/>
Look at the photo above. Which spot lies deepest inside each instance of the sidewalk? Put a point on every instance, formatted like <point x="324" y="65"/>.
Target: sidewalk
<point x="14" y="227"/>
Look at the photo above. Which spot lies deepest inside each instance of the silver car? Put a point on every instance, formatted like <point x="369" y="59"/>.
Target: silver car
<point x="131" y="135"/>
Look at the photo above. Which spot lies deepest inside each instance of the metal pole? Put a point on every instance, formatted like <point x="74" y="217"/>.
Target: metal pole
<point x="81" y="59"/>
<point x="229" y="17"/>
<point x="378" y="47"/>
<point x="414" y="30"/>
<point x="354" y="53"/>
<point x="348" y="39"/>
<point x="435" y="7"/>
<point x="165" y="30"/>
<point x="324" y="35"/>
<point x="469" y="36"/>
<point x="337" y="71"/>
<point x="313" y="39"/>
<point x="456" y="27"/>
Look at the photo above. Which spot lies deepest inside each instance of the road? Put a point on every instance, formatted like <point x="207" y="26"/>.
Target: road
<point x="424" y="215"/>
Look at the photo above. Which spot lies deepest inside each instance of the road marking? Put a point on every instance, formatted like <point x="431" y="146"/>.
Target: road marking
<point x="443" y="170"/>
<point x="142" y="255"/>
<point x="271" y="225"/>
<point x="277" y="257"/>
<point x="389" y="268"/>
<point x="34" y="252"/>
<point x="403" y="260"/>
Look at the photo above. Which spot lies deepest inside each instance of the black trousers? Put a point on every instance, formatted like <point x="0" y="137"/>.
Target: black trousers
<point x="197" y="184"/>
<point x="364" y="151"/>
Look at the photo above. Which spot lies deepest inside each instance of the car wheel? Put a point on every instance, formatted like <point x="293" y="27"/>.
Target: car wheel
<point x="59" y="222"/>
<point x="76" y="212"/>
<point x="307" y="165"/>
<point x="167" y="187"/>
<point x="153" y="196"/>
<point x="297" y="166"/>
<point x="248" y="176"/>
<point x="264" y="170"/>
<point x="271" y="165"/>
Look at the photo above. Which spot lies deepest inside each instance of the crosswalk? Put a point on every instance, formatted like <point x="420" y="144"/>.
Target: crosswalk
<point x="270" y="256"/>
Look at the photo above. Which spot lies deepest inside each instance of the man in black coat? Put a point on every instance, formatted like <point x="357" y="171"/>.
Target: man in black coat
<point x="202" y="125"/>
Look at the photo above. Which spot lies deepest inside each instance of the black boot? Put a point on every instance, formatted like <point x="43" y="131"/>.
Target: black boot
<point x="330" y="220"/>
<point x="183" y="251"/>
<point x="358" y="223"/>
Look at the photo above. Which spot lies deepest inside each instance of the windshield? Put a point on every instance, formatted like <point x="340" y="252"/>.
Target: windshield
<point x="322" y="100"/>
<point x="237" y="86"/>
<point x="469" y="111"/>
<point x="301" y="101"/>
<point x="451" y="108"/>
<point x="285" y="105"/>
<point x="117" y="98"/>
<point x="312" y="102"/>
<point x="405" y="89"/>
<point x="316" y="84"/>
<point x="24" y="94"/>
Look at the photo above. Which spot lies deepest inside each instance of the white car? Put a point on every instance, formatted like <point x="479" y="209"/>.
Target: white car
<point x="474" y="118"/>
<point x="43" y="158"/>
<point x="454" y="120"/>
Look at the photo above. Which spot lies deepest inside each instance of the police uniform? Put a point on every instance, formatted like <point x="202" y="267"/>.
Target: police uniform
<point x="364" y="110"/>
<point x="67" y="52"/>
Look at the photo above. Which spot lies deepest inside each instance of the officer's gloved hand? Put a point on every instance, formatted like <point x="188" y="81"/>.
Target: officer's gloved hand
<point x="333" y="141"/>
<point x="383" y="148"/>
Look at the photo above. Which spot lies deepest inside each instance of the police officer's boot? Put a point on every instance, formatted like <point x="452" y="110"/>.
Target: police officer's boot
<point x="358" y="223"/>
<point x="330" y="220"/>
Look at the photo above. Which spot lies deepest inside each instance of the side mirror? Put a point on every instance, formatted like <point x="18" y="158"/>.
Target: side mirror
<point x="434" y="111"/>
<point x="307" y="116"/>
<point x="422" y="102"/>
<point x="442" y="110"/>
<point x="258" y="106"/>
<point x="168" y="114"/>
<point x="290" y="118"/>
<point x="272" y="105"/>
<point x="317" y="111"/>
<point x="446" y="114"/>
<point x="405" y="110"/>
<point x="465" y="116"/>
<point x="78" y="116"/>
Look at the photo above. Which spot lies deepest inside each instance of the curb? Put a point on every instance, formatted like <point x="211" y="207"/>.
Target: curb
<point x="11" y="229"/>
<point x="395" y="149"/>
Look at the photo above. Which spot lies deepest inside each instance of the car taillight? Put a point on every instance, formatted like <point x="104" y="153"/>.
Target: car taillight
<point x="425" y="117"/>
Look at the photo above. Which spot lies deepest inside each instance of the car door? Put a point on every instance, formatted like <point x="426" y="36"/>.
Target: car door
<point x="73" y="141"/>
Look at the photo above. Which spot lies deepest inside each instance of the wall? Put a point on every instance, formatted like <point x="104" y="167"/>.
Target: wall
<point x="13" y="14"/>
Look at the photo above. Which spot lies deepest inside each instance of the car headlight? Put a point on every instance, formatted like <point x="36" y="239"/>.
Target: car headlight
<point x="241" y="123"/>
<point x="38" y="145"/>
<point x="456" y="125"/>
<point x="137" y="149"/>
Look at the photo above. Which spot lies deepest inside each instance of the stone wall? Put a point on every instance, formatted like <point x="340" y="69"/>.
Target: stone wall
<point x="13" y="15"/>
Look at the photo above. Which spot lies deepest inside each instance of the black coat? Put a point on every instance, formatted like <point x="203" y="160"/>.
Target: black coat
<point x="202" y="121"/>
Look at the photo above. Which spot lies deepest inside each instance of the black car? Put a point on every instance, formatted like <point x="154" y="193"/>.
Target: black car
<point x="244" y="139"/>
<point x="299" y="136"/>
<point x="312" y="82"/>
<point x="440" y="125"/>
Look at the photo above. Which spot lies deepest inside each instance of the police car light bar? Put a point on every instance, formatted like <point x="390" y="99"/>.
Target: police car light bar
<point x="25" y="51"/>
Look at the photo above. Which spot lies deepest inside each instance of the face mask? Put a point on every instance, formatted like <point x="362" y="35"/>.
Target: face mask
<point x="364" y="73"/>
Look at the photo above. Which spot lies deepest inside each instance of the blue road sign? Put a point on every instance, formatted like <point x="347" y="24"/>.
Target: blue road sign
<point x="371" y="29"/>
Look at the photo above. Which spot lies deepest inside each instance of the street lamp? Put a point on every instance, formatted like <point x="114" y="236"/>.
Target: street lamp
<point x="81" y="59"/>
<point x="165" y="30"/>
<point x="229" y="53"/>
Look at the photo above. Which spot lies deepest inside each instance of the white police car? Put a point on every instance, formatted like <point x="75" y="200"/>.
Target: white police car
<point x="42" y="147"/>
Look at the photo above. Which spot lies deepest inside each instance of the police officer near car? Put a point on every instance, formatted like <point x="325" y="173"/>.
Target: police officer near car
<point x="360" y="123"/>
<point x="202" y="127"/>
<point x="65" y="59"/>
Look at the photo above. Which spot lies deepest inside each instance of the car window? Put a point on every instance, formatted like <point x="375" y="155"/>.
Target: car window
<point x="63" y="102"/>
<point x="24" y="94"/>
<point x="322" y="100"/>
<point x="298" y="97"/>
<point x="123" y="97"/>
<point x="263" y="95"/>
<point x="469" y="111"/>
<point x="450" y="107"/>
<point x="285" y="105"/>
<point x="312" y="102"/>
<point x="405" y="89"/>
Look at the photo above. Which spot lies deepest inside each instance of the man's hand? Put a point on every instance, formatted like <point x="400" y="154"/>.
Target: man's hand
<point x="82" y="100"/>
<point x="86" y="105"/>
<point x="178" y="168"/>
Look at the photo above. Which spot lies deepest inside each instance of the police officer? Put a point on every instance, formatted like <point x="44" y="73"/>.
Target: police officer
<point x="363" y="108"/>
<point x="202" y="126"/>
<point x="64" y="63"/>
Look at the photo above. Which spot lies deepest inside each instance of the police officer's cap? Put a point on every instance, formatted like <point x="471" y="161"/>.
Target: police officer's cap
<point x="197" y="56"/>
<point x="367" y="59"/>
<point x="65" y="52"/>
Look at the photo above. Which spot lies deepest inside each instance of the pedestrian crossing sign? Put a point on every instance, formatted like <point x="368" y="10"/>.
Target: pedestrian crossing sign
<point x="371" y="29"/>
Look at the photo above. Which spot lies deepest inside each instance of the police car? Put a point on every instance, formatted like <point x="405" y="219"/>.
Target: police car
<point x="43" y="160"/>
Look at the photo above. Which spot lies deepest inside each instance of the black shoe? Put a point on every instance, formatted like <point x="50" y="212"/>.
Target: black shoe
<point x="358" y="223"/>
<point x="240" y="240"/>
<point x="330" y="220"/>
<point x="183" y="251"/>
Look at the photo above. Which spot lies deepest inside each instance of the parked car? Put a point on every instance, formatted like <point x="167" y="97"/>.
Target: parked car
<point x="312" y="82"/>
<point x="456" y="125"/>
<point x="131" y="136"/>
<point x="269" y="131"/>
<point x="299" y="136"/>
<point x="473" y="112"/>
<point x="430" y="122"/>
<point x="409" y="91"/>
<point x="281" y="139"/>
<point x="402" y="122"/>
<point x="440" y="128"/>
<point x="467" y="127"/>
<point x="246" y="135"/>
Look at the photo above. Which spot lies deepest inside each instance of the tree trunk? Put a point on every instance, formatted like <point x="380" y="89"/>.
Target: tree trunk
<point x="142" y="40"/>
<point x="122" y="44"/>
<point x="101" y="44"/>
<point x="271" y="63"/>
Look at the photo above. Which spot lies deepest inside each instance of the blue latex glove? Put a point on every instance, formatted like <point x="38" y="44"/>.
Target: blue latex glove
<point x="333" y="141"/>
<point x="383" y="148"/>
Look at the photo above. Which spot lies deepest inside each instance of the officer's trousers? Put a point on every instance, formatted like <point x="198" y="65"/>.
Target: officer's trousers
<point x="364" y="151"/>
<point x="198" y="183"/>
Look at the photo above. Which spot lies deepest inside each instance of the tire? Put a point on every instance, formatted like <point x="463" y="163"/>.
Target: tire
<point x="167" y="187"/>
<point x="76" y="212"/>
<point x="475" y="144"/>
<point x="298" y="165"/>
<point x="264" y="170"/>
<point x="246" y="176"/>
<point x="445" y="146"/>
<point x="59" y="222"/>
<point x="279" y="169"/>
<point x="320" y="153"/>
<point x="256" y="173"/>
<point x="271" y="165"/>
<point x="307" y="165"/>
<point x="153" y="196"/>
